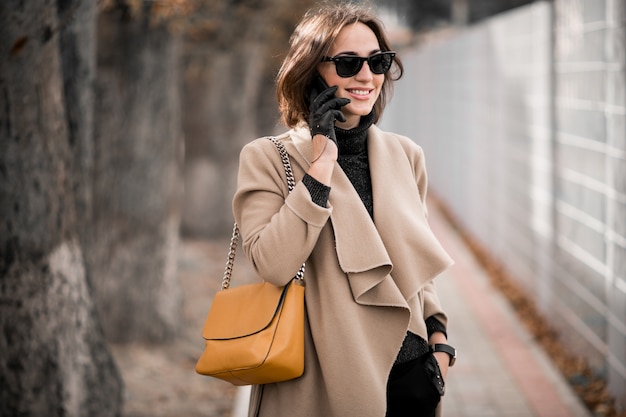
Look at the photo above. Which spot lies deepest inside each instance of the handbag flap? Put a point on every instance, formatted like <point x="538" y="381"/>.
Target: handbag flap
<point x="241" y="311"/>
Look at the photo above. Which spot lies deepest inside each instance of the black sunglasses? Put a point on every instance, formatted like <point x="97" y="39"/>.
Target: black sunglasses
<point x="349" y="65"/>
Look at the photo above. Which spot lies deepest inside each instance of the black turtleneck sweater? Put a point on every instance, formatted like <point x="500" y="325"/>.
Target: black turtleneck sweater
<point x="353" y="160"/>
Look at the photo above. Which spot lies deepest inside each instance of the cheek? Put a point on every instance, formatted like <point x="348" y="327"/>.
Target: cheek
<point x="328" y="73"/>
<point x="379" y="80"/>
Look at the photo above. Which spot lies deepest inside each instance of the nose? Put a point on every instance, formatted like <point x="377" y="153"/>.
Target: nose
<point x="365" y="73"/>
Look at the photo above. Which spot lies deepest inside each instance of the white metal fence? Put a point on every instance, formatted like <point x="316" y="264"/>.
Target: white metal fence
<point x="523" y="122"/>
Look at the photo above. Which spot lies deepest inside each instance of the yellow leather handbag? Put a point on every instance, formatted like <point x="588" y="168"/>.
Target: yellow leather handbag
<point x="254" y="334"/>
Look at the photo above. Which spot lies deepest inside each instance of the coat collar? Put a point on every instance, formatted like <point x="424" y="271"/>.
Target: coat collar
<point x="398" y="242"/>
<point x="350" y="219"/>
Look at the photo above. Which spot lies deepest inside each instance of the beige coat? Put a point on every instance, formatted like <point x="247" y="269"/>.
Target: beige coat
<point x="367" y="282"/>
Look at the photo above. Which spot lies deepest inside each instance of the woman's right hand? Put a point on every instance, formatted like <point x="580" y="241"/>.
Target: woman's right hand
<point x="324" y="110"/>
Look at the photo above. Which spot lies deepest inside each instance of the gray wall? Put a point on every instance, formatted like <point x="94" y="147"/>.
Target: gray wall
<point x="522" y="119"/>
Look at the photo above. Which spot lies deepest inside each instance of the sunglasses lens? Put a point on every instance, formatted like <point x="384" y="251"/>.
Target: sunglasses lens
<point x="380" y="63"/>
<point x="348" y="66"/>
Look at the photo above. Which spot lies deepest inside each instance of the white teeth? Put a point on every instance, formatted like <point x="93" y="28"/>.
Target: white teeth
<point x="360" y="92"/>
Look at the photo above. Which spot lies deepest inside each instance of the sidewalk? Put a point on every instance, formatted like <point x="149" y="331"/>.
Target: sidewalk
<point x="500" y="370"/>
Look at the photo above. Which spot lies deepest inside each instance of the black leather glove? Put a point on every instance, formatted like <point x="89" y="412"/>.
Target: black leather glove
<point x="324" y="111"/>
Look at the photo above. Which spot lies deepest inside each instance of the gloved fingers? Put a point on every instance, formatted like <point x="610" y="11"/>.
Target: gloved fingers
<point x="338" y="115"/>
<point x="339" y="102"/>
<point x="317" y="100"/>
<point x="324" y="110"/>
<point x="332" y="104"/>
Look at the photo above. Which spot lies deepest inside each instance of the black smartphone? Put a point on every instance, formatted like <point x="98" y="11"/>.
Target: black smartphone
<point x="317" y="86"/>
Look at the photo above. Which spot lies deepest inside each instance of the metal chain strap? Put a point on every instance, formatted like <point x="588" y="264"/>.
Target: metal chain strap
<point x="230" y="262"/>
<point x="291" y="182"/>
<point x="234" y="240"/>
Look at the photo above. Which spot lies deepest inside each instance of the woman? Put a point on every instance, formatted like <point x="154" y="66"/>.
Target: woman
<point x="357" y="218"/>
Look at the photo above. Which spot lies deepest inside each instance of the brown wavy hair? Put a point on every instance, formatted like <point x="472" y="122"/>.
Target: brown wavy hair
<point x="311" y="40"/>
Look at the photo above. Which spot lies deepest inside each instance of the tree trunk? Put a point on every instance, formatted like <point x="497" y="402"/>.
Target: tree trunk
<point x="221" y="99"/>
<point x="221" y="94"/>
<point x="53" y="359"/>
<point x="232" y="53"/>
<point x="78" y="60"/>
<point x="137" y="190"/>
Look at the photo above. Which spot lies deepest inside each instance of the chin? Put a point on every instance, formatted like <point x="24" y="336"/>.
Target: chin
<point x="361" y="111"/>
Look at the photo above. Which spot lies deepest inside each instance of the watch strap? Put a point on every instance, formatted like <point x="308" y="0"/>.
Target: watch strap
<point x="442" y="347"/>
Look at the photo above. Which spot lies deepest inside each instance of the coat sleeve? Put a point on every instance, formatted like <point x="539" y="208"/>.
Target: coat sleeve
<point x="432" y="306"/>
<point x="278" y="229"/>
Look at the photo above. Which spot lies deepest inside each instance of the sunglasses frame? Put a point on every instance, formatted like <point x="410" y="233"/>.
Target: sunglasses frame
<point x="337" y="60"/>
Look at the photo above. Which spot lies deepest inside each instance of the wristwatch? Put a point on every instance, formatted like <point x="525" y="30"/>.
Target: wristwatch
<point x="440" y="347"/>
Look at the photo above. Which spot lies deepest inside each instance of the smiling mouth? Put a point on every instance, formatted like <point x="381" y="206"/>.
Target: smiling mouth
<point x="359" y="92"/>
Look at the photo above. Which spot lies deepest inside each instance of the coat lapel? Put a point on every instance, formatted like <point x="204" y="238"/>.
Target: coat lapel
<point x="398" y="242"/>
<point x="360" y="250"/>
<point x="400" y="214"/>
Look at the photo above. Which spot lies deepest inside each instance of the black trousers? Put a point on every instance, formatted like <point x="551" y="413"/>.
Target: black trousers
<point x="411" y="391"/>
